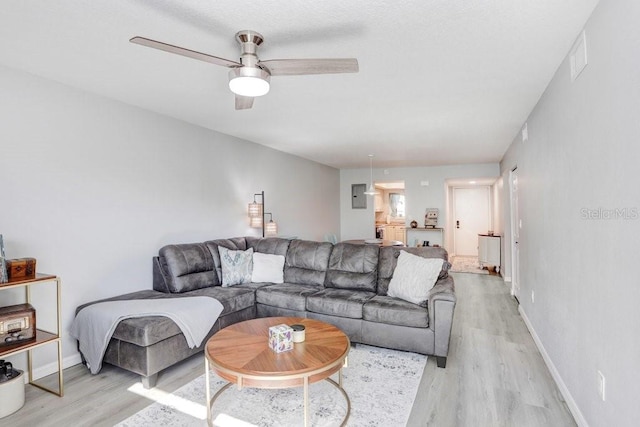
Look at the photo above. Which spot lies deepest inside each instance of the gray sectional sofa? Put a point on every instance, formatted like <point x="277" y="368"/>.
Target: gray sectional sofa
<point x="342" y="284"/>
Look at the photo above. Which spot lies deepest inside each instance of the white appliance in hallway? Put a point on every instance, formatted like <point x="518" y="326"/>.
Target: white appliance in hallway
<point x="471" y="217"/>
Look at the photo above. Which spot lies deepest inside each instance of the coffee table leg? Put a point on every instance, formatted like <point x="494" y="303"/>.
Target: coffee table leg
<point x="346" y="398"/>
<point x="207" y="389"/>
<point x="306" y="401"/>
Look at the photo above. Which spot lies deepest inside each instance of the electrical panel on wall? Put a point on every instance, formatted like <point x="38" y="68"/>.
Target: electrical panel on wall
<point x="578" y="57"/>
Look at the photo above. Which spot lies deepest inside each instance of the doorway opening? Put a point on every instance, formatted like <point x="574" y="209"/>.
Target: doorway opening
<point x="470" y="220"/>
<point x="390" y="211"/>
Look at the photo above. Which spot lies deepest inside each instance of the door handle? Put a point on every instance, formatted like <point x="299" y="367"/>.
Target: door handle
<point x="457" y="224"/>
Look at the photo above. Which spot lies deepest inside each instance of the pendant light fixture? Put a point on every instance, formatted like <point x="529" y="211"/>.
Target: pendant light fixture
<point x="371" y="191"/>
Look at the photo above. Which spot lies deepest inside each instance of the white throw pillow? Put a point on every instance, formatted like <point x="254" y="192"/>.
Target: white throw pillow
<point x="267" y="268"/>
<point x="236" y="266"/>
<point x="414" y="277"/>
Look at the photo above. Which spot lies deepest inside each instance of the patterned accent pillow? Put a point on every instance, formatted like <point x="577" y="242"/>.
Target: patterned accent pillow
<point x="236" y="266"/>
<point x="414" y="277"/>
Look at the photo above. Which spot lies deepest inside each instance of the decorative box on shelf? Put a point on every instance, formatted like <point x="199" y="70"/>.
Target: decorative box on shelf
<point x="21" y="268"/>
<point x="280" y="338"/>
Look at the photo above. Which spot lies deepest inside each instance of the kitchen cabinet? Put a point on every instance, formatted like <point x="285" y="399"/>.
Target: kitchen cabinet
<point x="395" y="232"/>
<point x="378" y="203"/>
<point x="489" y="251"/>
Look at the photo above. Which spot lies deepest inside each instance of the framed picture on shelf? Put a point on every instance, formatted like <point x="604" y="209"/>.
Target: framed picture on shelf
<point x="4" y="277"/>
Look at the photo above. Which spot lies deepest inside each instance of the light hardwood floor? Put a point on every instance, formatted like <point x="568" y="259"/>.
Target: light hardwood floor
<point x="495" y="376"/>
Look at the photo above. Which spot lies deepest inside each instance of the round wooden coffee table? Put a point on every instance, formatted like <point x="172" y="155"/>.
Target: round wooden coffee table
<point x="240" y="354"/>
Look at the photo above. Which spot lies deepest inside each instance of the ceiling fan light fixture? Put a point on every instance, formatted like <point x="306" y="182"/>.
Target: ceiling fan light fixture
<point x="249" y="81"/>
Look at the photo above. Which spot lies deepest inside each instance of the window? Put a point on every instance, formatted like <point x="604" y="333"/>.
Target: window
<point x="396" y="205"/>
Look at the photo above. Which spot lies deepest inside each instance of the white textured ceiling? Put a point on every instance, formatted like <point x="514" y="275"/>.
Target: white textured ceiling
<point x="440" y="81"/>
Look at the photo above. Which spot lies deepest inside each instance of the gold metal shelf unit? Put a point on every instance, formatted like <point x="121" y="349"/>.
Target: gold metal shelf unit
<point x="43" y="337"/>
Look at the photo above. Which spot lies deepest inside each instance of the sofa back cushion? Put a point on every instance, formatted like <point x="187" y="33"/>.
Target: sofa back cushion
<point x="187" y="267"/>
<point x="353" y="267"/>
<point x="269" y="245"/>
<point x="389" y="259"/>
<point x="306" y="262"/>
<point x="235" y="244"/>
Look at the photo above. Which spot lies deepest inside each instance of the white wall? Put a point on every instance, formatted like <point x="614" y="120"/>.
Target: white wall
<point x="359" y="223"/>
<point x="92" y="188"/>
<point x="582" y="154"/>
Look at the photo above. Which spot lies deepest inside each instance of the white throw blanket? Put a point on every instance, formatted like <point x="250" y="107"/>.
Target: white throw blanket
<point x="94" y="325"/>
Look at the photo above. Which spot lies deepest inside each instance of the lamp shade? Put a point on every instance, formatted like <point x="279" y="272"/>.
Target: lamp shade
<point x="249" y="81"/>
<point x="255" y="222"/>
<point x="371" y="191"/>
<point x="255" y="210"/>
<point x="271" y="229"/>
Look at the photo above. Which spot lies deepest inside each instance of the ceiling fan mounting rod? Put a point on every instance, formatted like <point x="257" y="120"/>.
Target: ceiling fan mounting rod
<point x="249" y="41"/>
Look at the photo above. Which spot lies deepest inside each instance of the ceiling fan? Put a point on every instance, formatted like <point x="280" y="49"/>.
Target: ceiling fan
<point x="250" y="77"/>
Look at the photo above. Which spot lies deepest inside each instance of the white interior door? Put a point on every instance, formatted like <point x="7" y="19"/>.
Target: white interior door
<point x="471" y="215"/>
<point x="515" y="236"/>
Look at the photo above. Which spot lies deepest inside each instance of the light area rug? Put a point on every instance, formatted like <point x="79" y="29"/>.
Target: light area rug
<point x="381" y="384"/>
<point x="466" y="264"/>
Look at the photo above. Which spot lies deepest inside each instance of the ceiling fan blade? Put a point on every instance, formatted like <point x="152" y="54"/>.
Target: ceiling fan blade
<point x="185" y="52"/>
<point x="298" y="67"/>
<point x="243" y="102"/>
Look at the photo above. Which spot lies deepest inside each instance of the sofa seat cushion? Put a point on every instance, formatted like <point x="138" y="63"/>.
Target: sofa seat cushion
<point x="339" y="302"/>
<point x="234" y="298"/>
<point x="253" y="285"/>
<point x="286" y="295"/>
<point x="384" y="309"/>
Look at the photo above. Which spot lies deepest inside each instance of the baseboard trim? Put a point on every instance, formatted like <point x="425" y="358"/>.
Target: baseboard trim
<point x="52" y="368"/>
<point x="571" y="403"/>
